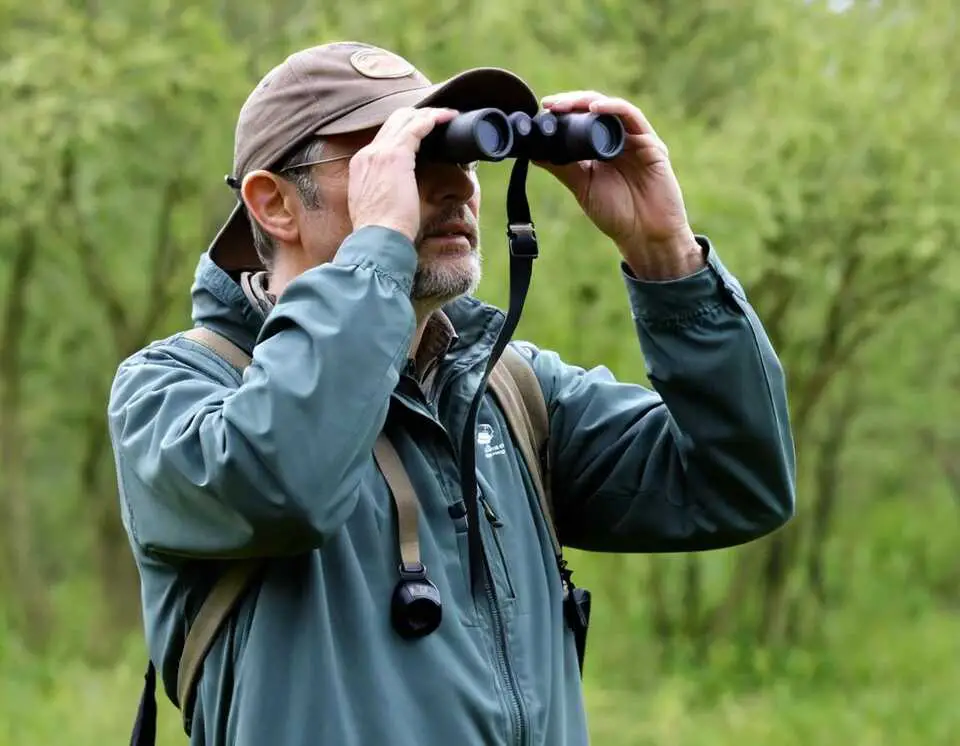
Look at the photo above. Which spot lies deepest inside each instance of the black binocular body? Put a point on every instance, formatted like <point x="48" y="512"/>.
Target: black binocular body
<point x="491" y="135"/>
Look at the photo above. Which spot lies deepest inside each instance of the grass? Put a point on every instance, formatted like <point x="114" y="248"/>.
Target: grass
<point x="892" y="684"/>
<point x="884" y="670"/>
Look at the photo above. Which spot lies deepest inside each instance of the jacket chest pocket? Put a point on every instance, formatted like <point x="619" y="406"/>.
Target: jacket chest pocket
<point x="518" y="532"/>
<point x="491" y="528"/>
<point x="495" y="528"/>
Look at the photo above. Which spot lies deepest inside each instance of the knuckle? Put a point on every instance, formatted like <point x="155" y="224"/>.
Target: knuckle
<point x="361" y="157"/>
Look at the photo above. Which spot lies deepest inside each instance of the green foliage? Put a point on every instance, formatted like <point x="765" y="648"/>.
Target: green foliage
<point x="816" y="148"/>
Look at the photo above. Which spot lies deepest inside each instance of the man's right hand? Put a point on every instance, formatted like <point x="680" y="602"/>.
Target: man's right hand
<point x="383" y="185"/>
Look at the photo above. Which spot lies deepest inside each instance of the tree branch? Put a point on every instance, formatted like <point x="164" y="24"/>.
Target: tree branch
<point x="101" y="291"/>
<point x="161" y="274"/>
<point x="20" y="560"/>
<point x="948" y="461"/>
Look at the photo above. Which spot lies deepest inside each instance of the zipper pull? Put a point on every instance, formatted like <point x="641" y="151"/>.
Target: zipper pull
<point x="491" y="513"/>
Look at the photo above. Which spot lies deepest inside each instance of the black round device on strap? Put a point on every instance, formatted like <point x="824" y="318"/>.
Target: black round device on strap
<point x="415" y="610"/>
<point x="415" y="607"/>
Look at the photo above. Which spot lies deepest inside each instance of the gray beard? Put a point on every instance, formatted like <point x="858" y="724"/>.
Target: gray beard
<point x="441" y="285"/>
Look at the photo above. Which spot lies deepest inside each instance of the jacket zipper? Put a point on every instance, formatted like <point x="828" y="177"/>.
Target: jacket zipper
<point x="518" y="713"/>
<point x="517" y="710"/>
<point x="494" y="520"/>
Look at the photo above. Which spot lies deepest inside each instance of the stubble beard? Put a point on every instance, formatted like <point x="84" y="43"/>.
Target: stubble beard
<point x="439" y="280"/>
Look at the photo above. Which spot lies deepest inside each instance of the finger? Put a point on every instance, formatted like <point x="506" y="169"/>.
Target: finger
<point x="407" y="117"/>
<point x="421" y="126"/>
<point x="397" y="119"/>
<point x="646" y="142"/>
<point x="434" y="112"/>
<point x="391" y="130"/>
<point x="646" y="150"/>
<point x="575" y="176"/>
<point x="634" y="120"/>
<point x="570" y="100"/>
<point x="410" y="126"/>
<point x="432" y="117"/>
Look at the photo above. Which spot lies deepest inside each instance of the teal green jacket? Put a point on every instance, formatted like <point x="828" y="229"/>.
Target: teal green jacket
<point x="278" y="464"/>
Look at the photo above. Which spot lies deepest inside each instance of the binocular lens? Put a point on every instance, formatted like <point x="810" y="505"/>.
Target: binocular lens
<point x="589" y="136"/>
<point x="606" y="136"/>
<point x="479" y="135"/>
<point x="492" y="136"/>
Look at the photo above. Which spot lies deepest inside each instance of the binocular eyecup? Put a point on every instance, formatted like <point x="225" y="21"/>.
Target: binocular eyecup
<point x="491" y="135"/>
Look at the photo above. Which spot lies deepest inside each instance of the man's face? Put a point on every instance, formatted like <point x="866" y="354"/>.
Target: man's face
<point x="448" y="242"/>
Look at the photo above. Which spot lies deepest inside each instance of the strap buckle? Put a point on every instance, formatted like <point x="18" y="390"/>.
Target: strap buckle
<point x="413" y="571"/>
<point x="523" y="240"/>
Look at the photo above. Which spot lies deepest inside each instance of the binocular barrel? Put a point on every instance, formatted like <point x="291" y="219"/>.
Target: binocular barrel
<point x="491" y="135"/>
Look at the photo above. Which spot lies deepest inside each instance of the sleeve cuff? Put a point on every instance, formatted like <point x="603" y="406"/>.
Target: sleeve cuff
<point x="676" y="299"/>
<point x="382" y="249"/>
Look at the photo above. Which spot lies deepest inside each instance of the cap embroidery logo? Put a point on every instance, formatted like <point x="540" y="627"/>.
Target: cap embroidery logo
<point x="379" y="63"/>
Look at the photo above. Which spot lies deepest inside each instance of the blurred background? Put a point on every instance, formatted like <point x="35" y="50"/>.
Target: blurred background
<point x="816" y="144"/>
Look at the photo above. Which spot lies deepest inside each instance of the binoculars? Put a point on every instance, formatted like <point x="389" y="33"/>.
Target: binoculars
<point x="491" y="135"/>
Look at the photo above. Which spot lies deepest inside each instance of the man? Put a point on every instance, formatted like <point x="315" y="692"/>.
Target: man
<point x="346" y="272"/>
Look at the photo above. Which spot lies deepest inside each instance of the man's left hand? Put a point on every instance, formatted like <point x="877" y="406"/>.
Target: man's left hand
<point x="635" y="198"/>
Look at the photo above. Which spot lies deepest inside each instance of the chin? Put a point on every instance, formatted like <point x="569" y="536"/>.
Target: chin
<point x="443" y="279"/>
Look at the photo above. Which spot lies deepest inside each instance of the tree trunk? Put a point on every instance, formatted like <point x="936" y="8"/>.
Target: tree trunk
<point x="131" y="329"/>
<point x="24" y="577"/>
<point x="119" y="581"/>
<point x="828" y="482"/>
<point x="776" y="570"/>
<point x="660" y="611"/>
<point x="724" y="616"/>
<point x="693" y="605"/>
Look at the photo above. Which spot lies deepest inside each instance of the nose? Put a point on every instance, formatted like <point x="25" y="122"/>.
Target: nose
<point x="445" y="183"/>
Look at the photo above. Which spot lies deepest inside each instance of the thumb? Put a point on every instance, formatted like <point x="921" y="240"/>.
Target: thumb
<point x="574" y="176"/>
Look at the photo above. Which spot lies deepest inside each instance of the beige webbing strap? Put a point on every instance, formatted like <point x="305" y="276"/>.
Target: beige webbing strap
<point x="403" y="495"/>
<point x="230" y="586"/>
<point x="516" y="387"/>
<point x="530" y="392"/>
<point x="218" y="604"/>
<point x="219" y="345"/>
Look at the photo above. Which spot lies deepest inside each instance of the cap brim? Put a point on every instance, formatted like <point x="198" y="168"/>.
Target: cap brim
<point x="232" y="248"/>
<point x="477" y="88"/>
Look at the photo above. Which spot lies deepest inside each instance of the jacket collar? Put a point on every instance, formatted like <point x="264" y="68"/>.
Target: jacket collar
<point x="220" y="303"/>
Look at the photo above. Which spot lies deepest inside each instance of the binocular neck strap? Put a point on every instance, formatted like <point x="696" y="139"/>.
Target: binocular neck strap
<point x="523" y="250"/>
<point x="405" y="498"/>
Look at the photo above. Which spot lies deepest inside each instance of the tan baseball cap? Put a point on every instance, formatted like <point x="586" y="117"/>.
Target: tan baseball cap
<point x="337" y="88"/>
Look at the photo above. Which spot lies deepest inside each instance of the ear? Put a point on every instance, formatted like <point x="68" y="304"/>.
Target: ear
<point x="266" y="199"/>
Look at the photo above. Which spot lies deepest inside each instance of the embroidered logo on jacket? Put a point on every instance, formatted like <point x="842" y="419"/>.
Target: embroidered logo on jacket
<point x="485" y="436"/>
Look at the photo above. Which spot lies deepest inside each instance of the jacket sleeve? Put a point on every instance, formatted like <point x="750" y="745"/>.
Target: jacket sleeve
<point x="705" y="460"/>
<point x="212" y="467"/>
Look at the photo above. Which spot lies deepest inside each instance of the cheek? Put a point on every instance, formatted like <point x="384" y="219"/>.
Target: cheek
<point x="474" y="202"/>
<point x="323" y="232"/>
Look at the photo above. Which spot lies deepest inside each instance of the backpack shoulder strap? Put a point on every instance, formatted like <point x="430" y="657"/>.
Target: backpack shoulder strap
<point x="517" y="389"/>
<point x="229" y="587"/>
<point x="219" y="345"/>
<point x="217" y="606"/>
